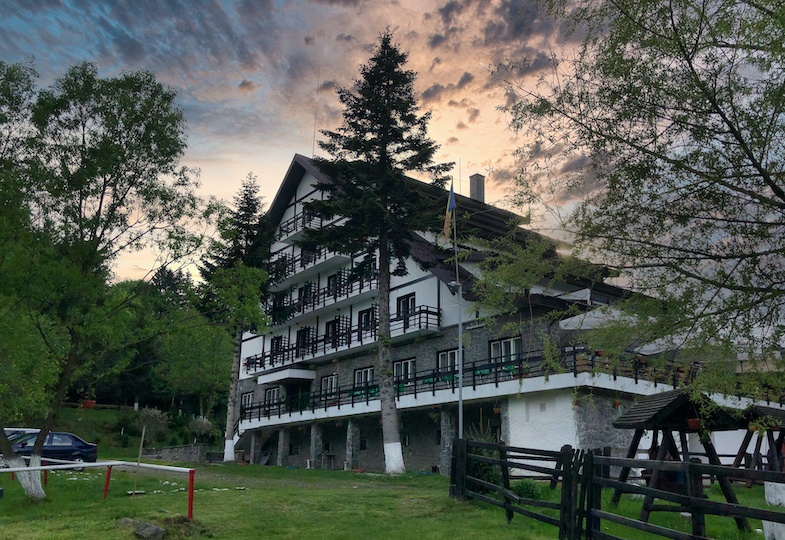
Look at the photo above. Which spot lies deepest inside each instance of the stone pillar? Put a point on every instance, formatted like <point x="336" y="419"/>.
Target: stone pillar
<point x="283" y="447"/>
<point x="316" y="445"/>
<point x="447" y="426"/>
<point x="352" y="444"/>
<point x="505" y="421"/>
<point x="252" y="457"/>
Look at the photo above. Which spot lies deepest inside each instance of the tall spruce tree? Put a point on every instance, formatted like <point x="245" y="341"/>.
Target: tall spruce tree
<point x="381" y="138"/>
<point x="235" y="282"/>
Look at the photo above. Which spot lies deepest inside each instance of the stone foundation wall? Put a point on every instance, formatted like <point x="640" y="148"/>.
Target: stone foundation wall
<point x="188" y="452"/>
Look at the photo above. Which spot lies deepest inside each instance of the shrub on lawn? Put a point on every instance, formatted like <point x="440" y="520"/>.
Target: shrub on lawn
<point x="527" y="489"/>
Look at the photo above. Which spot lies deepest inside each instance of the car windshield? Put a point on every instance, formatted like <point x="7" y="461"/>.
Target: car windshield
<point x="22" y="437"/>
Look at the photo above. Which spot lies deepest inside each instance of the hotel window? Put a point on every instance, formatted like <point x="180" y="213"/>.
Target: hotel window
<point x="406" y="308"/>
<point x="277" y="351"/>
<point x="329" y="385"/>
<point x="506" y="350"/>
<point x="331" y="333"/>
<point x="366" y="321"/>
<point x="332" y="285"/>
<point x="448" y="361"/>
<point x="272" y="401"/>
<point x="403" y="371"/>
<point x="304" y="341"/>
<point x="363" y="376"/>
<point x="246" y="401"/>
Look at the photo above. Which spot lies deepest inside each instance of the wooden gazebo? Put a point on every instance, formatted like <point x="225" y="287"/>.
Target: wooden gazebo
<point x="676" y="412"/>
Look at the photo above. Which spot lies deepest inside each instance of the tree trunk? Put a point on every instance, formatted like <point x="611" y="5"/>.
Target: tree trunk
<point x="29" y="480"/>
<point x="391" y="436"/>
<point x="231" y="407"/>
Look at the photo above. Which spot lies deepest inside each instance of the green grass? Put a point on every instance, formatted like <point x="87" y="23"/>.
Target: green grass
<point x="295" y="503"/>
<point x="275" y="503"/>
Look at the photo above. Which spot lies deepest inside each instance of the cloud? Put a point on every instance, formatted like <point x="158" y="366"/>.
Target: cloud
<point x="436" y="40"/>
<point x="247" y="87"/>
<point x="453" y="140"/>
<point x="465" y="79"/>
<point x="434" y="92"/>
<point x="474" y="113"/>
<point x="451" y="10"/>
<point x="309" y="40"/>
<point x="461" y="125"/>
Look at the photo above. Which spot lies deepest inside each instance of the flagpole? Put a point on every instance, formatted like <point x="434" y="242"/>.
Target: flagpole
<point x="460" y="323"/>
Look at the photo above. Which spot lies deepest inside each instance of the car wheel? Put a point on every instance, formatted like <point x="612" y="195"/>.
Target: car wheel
<point x="78" y="459"/>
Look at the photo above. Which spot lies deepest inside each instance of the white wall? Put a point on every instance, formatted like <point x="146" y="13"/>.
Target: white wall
<point x="543" y="420"/>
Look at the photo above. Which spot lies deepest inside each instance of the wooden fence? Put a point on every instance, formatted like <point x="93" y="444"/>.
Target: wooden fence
<point x="484" y="471"/>
<point x="476" y="465"/>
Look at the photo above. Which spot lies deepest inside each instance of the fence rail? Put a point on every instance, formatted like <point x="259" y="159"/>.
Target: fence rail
<point x="583" y="475"/>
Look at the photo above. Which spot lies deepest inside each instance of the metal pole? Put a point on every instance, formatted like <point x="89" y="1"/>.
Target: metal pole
<point x="460" y="362"/>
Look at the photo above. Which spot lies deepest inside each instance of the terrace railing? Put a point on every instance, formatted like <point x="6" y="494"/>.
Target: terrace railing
<point x="478" y="373"/>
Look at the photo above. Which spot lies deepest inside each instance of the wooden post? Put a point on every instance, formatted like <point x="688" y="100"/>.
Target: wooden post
<point x="505" y="482"/>
<point x="459" y="467"/>
<point x="695" y="489"/>
<point x="727" y="489"/>
<point x="593" y="496"/>
<point x="649" y="499"/>
<point x="774" y="460"/>
<point x="625" y="471"/>
<point x="566" y="514"/>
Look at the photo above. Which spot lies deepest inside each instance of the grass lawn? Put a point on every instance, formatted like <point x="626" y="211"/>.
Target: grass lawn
<point x="234" y="501"/>
<point x="273" y="503"/>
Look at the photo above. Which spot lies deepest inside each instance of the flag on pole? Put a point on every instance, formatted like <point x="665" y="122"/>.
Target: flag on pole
<point x="449" y="212"/>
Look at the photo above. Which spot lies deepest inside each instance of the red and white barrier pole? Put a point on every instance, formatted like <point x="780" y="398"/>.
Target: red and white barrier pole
<point x="106" y="482"/>
<point x="191" y="494"/>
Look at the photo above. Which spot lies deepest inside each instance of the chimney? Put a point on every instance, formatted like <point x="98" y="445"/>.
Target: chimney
<point x="477" y="187"/>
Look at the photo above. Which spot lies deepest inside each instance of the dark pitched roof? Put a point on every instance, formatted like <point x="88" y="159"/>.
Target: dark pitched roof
<point x="670" y="410"/>
<point x="478" y="218"/>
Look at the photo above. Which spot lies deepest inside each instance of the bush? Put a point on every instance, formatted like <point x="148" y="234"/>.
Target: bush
<point x="484" y="471"/>
<point x="156" y="422"/>
<point x="527" y="489"/>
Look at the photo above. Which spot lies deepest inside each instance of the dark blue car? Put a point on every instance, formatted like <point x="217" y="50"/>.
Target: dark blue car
<point x="58" y="445"/>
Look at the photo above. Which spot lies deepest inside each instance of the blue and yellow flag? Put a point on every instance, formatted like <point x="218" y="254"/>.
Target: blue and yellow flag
<point x="449" y="212"/>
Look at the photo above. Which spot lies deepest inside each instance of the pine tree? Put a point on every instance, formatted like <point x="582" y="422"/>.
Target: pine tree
<point x="381" y="138"/>
<point x="235" y="283"/>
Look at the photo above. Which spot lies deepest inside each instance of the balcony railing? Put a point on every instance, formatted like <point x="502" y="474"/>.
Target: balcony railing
<point x="286" y="265"/>
<point x="344" y="337"/>
<point x="297" y="223"/>
<point x="283" y="308"/>
<point x="490" y="371"/>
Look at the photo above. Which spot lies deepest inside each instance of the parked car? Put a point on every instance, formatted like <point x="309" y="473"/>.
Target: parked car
<point x="58" y="445"/>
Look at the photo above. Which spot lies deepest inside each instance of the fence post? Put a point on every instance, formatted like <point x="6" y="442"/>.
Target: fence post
<point x="695" y="489"/>
<point x="505" y="481"/>
<point x="594" y="495"/>
<point x="458" y="469"/>
<point x="566" y="513"/>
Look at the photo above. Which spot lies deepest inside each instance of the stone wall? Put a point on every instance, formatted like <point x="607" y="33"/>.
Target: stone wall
<point x="188" y="452"/>
<point x="595" y="415"/>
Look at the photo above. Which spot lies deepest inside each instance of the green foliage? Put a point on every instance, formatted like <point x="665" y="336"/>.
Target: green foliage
<point x="662" y="142"/>
<point x="194" y="360"/>
<point x="90" y="167"/>
<point x="382" y="137"/>
<point x="527" y="488"/>
<point x="482" y="432"/>
<point x="154" y="422"/>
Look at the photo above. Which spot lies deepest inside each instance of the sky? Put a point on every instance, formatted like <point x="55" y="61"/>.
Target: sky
<point x="256" y="79"/>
